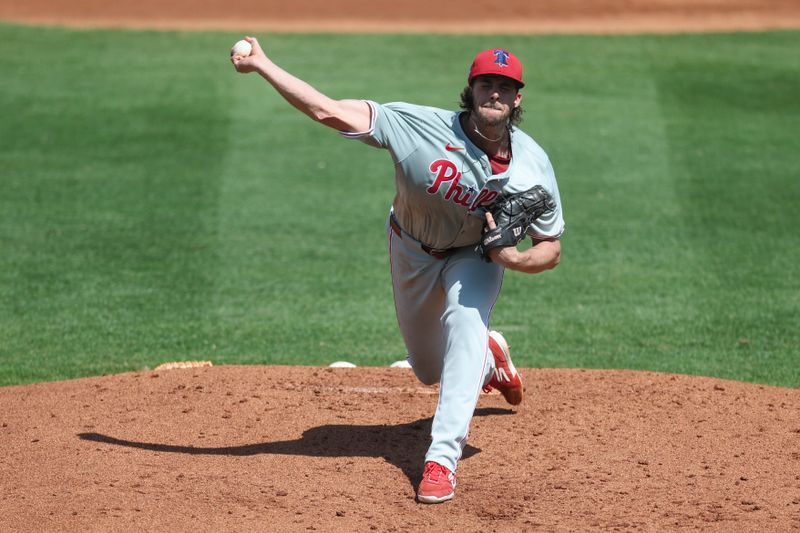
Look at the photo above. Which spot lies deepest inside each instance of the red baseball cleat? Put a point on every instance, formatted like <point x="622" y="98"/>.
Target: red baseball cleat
<point x="505" y="377"/>
<point x="438" y="484"/>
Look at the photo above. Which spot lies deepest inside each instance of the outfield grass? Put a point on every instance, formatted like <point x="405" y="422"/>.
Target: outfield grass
<point x="158" y="206"/>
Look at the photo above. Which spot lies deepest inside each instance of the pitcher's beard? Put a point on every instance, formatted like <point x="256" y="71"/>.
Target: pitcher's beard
<point x="490" y="120"/>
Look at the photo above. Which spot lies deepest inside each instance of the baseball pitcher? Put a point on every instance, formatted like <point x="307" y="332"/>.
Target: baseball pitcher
<point x="470" y="186"/>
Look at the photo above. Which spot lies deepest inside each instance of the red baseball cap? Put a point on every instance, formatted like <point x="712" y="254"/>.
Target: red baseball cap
<point x="497" y="61"/>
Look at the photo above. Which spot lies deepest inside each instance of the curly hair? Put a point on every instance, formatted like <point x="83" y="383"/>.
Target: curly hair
<point x="467" y="104"/>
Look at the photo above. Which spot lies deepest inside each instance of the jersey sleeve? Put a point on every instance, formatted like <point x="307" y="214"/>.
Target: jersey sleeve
<point x="393" y="126"/>
<point x="550" y="225"/>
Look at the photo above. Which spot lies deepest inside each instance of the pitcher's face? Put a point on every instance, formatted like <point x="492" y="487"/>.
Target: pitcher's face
<point x="494" y="98"/>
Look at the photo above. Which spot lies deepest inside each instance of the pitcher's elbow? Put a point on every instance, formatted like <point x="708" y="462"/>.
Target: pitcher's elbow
<point x="556" y="260"/>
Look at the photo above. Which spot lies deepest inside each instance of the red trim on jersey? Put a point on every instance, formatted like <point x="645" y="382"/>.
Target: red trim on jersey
<point x="499" y="164"/>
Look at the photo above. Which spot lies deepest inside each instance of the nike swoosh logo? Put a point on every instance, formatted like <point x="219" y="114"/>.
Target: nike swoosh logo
<point x="450" y="148"/>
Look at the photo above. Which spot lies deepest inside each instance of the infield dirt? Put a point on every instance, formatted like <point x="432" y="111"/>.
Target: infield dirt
<point x="238" y="448"/>
<point x="253" y="448"/>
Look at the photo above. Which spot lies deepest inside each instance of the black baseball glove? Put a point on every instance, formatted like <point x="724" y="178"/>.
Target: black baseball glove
<point x="512" y="214"/>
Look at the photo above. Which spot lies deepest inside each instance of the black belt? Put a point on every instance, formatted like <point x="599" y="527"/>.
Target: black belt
<point x="433" y="252"/>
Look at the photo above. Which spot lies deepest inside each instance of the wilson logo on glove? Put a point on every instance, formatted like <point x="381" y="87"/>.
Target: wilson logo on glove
<point x="512" y="214"/>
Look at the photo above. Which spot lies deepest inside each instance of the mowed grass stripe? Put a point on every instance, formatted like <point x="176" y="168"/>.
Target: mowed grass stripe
<point x="304" y="278"/>
<point x="733" y="123"/>
<point x="110" y="186"/>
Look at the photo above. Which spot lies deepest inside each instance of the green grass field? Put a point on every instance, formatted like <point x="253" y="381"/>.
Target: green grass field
<point x="156" y="206"/>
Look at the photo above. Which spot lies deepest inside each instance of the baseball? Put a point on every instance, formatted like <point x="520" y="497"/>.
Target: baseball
<point x="241" y="48"/>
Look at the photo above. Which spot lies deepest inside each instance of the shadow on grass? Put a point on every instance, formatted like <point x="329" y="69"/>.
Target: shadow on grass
<point x="402" y="445"/>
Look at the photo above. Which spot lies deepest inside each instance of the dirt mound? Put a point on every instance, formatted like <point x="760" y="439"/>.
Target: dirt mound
<point x="250" y="448"/>
<point x="517" y="16"/>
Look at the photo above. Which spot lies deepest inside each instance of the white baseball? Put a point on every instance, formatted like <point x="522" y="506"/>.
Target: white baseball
<point x="241" y="48"/>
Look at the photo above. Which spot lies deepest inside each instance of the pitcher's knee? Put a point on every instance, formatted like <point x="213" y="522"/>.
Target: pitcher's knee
<point x="427" y="379"/>
<point x="429" y="373"/>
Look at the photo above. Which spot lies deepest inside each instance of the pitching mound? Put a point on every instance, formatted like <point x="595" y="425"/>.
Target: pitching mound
<point x="236" y="448"/>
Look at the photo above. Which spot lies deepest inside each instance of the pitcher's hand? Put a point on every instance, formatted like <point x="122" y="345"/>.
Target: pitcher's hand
<point x="251" y="63"/>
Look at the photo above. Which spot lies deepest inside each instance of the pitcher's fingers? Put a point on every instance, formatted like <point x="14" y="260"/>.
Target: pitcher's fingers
<point x="256" y="47"/>
<point x="490" y="221"/>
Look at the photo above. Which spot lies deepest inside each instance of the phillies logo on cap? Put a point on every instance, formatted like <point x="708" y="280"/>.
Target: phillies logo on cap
<point x="501" y="57"/>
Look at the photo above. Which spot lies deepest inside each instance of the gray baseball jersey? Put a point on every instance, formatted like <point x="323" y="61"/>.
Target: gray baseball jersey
<point x="444" y="292"/>
<point x="445" y="182"/>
